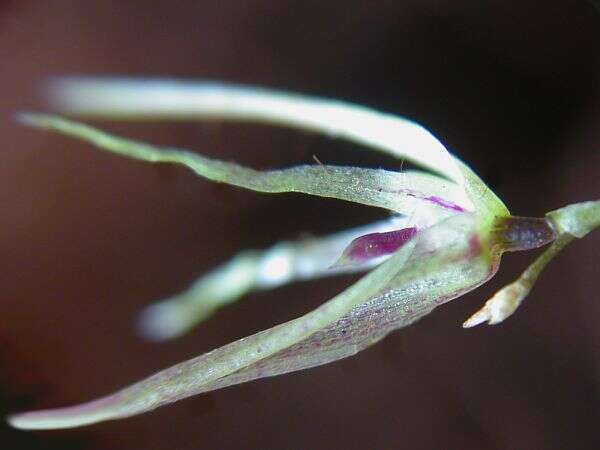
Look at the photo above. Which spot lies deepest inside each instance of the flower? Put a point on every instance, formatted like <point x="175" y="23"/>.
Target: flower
<point x="446" y="237"/>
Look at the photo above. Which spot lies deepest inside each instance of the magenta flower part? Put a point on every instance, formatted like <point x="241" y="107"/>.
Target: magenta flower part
<point x="375" y="245"/>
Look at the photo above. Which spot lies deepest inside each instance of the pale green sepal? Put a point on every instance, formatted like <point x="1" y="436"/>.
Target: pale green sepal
<point x="395" y="191"/>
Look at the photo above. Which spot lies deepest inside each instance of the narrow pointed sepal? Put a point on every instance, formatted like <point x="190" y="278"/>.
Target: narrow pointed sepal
<point x="69" y="417"/>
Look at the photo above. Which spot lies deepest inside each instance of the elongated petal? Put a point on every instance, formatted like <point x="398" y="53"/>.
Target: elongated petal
<point x="132" y="98"/>
<point x="286" y="262"/>
<point x="441" y="263"/>
<point x="390" y="190"/>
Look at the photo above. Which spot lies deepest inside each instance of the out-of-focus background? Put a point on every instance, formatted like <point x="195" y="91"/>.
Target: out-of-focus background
<point x="87" y="239"/>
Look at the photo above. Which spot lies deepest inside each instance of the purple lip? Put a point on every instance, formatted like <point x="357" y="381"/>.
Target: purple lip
<point x="375" y="245"/>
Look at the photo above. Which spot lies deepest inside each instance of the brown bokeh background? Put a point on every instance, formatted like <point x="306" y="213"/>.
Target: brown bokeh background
<point x="87" y="239"/>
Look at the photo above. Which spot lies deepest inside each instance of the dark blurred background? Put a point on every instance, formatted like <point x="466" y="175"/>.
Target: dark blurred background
<point x="87" y="239"/>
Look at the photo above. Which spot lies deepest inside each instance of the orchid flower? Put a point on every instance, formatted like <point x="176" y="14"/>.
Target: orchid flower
<point x="445" y="237"/>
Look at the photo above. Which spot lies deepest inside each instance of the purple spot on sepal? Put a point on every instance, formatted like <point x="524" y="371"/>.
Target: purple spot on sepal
<point x="374" y="245"/>
<point x="438" y="201"/>
<point x="445" y="203"/>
